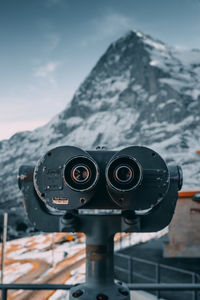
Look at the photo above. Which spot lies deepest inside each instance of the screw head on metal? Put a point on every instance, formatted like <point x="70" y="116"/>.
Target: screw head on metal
<point x="102" y="297"/>
<point x="77" y="293"/>
<point x="123" y="292"/>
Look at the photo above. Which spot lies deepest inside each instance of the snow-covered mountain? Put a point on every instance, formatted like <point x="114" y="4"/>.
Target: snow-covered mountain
<point x="141" y="92"/>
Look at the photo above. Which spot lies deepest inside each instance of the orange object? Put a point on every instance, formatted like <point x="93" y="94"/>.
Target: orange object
<point x="187" y="194"/>
<point x="70" y="238"/>
<point x="198" y="152"/>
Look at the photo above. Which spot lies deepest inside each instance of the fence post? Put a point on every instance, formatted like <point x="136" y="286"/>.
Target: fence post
<point x="5" y="222"/>
<point x="4" y="294"/>
<point x="195" y="293"/>
<point x="52" y="249"/>
<point x="130" y="269"/>
<point x="157" y="271"/>
<point x="120" y="240"/>
<point x="129" y="239"/>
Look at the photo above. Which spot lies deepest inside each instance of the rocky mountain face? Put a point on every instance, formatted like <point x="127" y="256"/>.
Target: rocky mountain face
<point x="141" y="92"/>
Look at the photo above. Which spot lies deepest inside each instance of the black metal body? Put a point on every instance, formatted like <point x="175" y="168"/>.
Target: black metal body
<point x="72" y="221"/>
<point x="53" y="216"/>
<point x="54" y="190"/>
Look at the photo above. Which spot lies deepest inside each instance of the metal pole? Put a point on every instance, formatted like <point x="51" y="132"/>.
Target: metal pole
<point x="100" y="263"/>
<point x="136" y="286"/>
<point x="130" y="271"/>
<point x="157" y="270"/>
<point x="4" y="294"/>
<point x="164" y="286"/>
<point x="100" y="284"/>
<point x="52" y="249"/>
<point x="195" y="293"/>
<point x="5" y="222"/>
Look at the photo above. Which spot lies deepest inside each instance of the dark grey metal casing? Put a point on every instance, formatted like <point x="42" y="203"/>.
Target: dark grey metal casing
<point x="52" y="188"/>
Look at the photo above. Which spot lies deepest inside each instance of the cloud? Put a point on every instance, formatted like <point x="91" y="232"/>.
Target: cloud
<point x="45" y="70"/>
<point x="109" y="26"/>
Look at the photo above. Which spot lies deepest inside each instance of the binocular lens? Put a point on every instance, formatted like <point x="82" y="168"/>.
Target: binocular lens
<point x="123" y="174"/>
<point x="81" y="173"/>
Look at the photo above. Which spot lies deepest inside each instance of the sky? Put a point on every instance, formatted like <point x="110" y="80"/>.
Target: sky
<point x="48" y="47"/>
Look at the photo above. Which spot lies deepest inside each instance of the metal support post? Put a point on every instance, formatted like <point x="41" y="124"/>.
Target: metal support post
<point x="4" y="294"/>
<point x="158" y="279"/>
<point x="130" y="269"/>
<point x="195" y="293"/>
<point x="52" y="249"/>
<point x="5" y="222"/>
<point x="100" y="282"/>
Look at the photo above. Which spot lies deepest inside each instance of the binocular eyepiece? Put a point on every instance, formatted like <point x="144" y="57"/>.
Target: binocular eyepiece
<point x="81" y="173"/>
<point x="124" y="173"/>
<point x="135" y="178"/>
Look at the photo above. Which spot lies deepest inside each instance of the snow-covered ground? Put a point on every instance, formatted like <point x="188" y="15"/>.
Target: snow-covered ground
<point x="15" y="270"/>
<point x="40" y="247"/>
<point x="21" y="255"/>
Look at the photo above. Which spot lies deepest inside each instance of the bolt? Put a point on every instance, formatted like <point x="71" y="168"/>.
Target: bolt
<point x="77" y="294"/>
<point x="123" y="292"/>
<point x="67" y="216"/>
<point x="82" y="200"/>
<point x="102" y="297"/>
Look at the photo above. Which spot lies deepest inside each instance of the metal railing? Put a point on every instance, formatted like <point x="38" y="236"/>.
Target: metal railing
<point x="141" y="287"/>
<point x="130" y="239"/>
<point x="12" y="286"/>
<point x="129" y="269"/>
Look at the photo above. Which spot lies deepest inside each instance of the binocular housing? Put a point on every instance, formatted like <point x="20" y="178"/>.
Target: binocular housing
<point x="135" y="178"/>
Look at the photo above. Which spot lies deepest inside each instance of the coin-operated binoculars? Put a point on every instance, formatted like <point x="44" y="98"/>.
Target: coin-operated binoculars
<point x="132" y="190"/>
